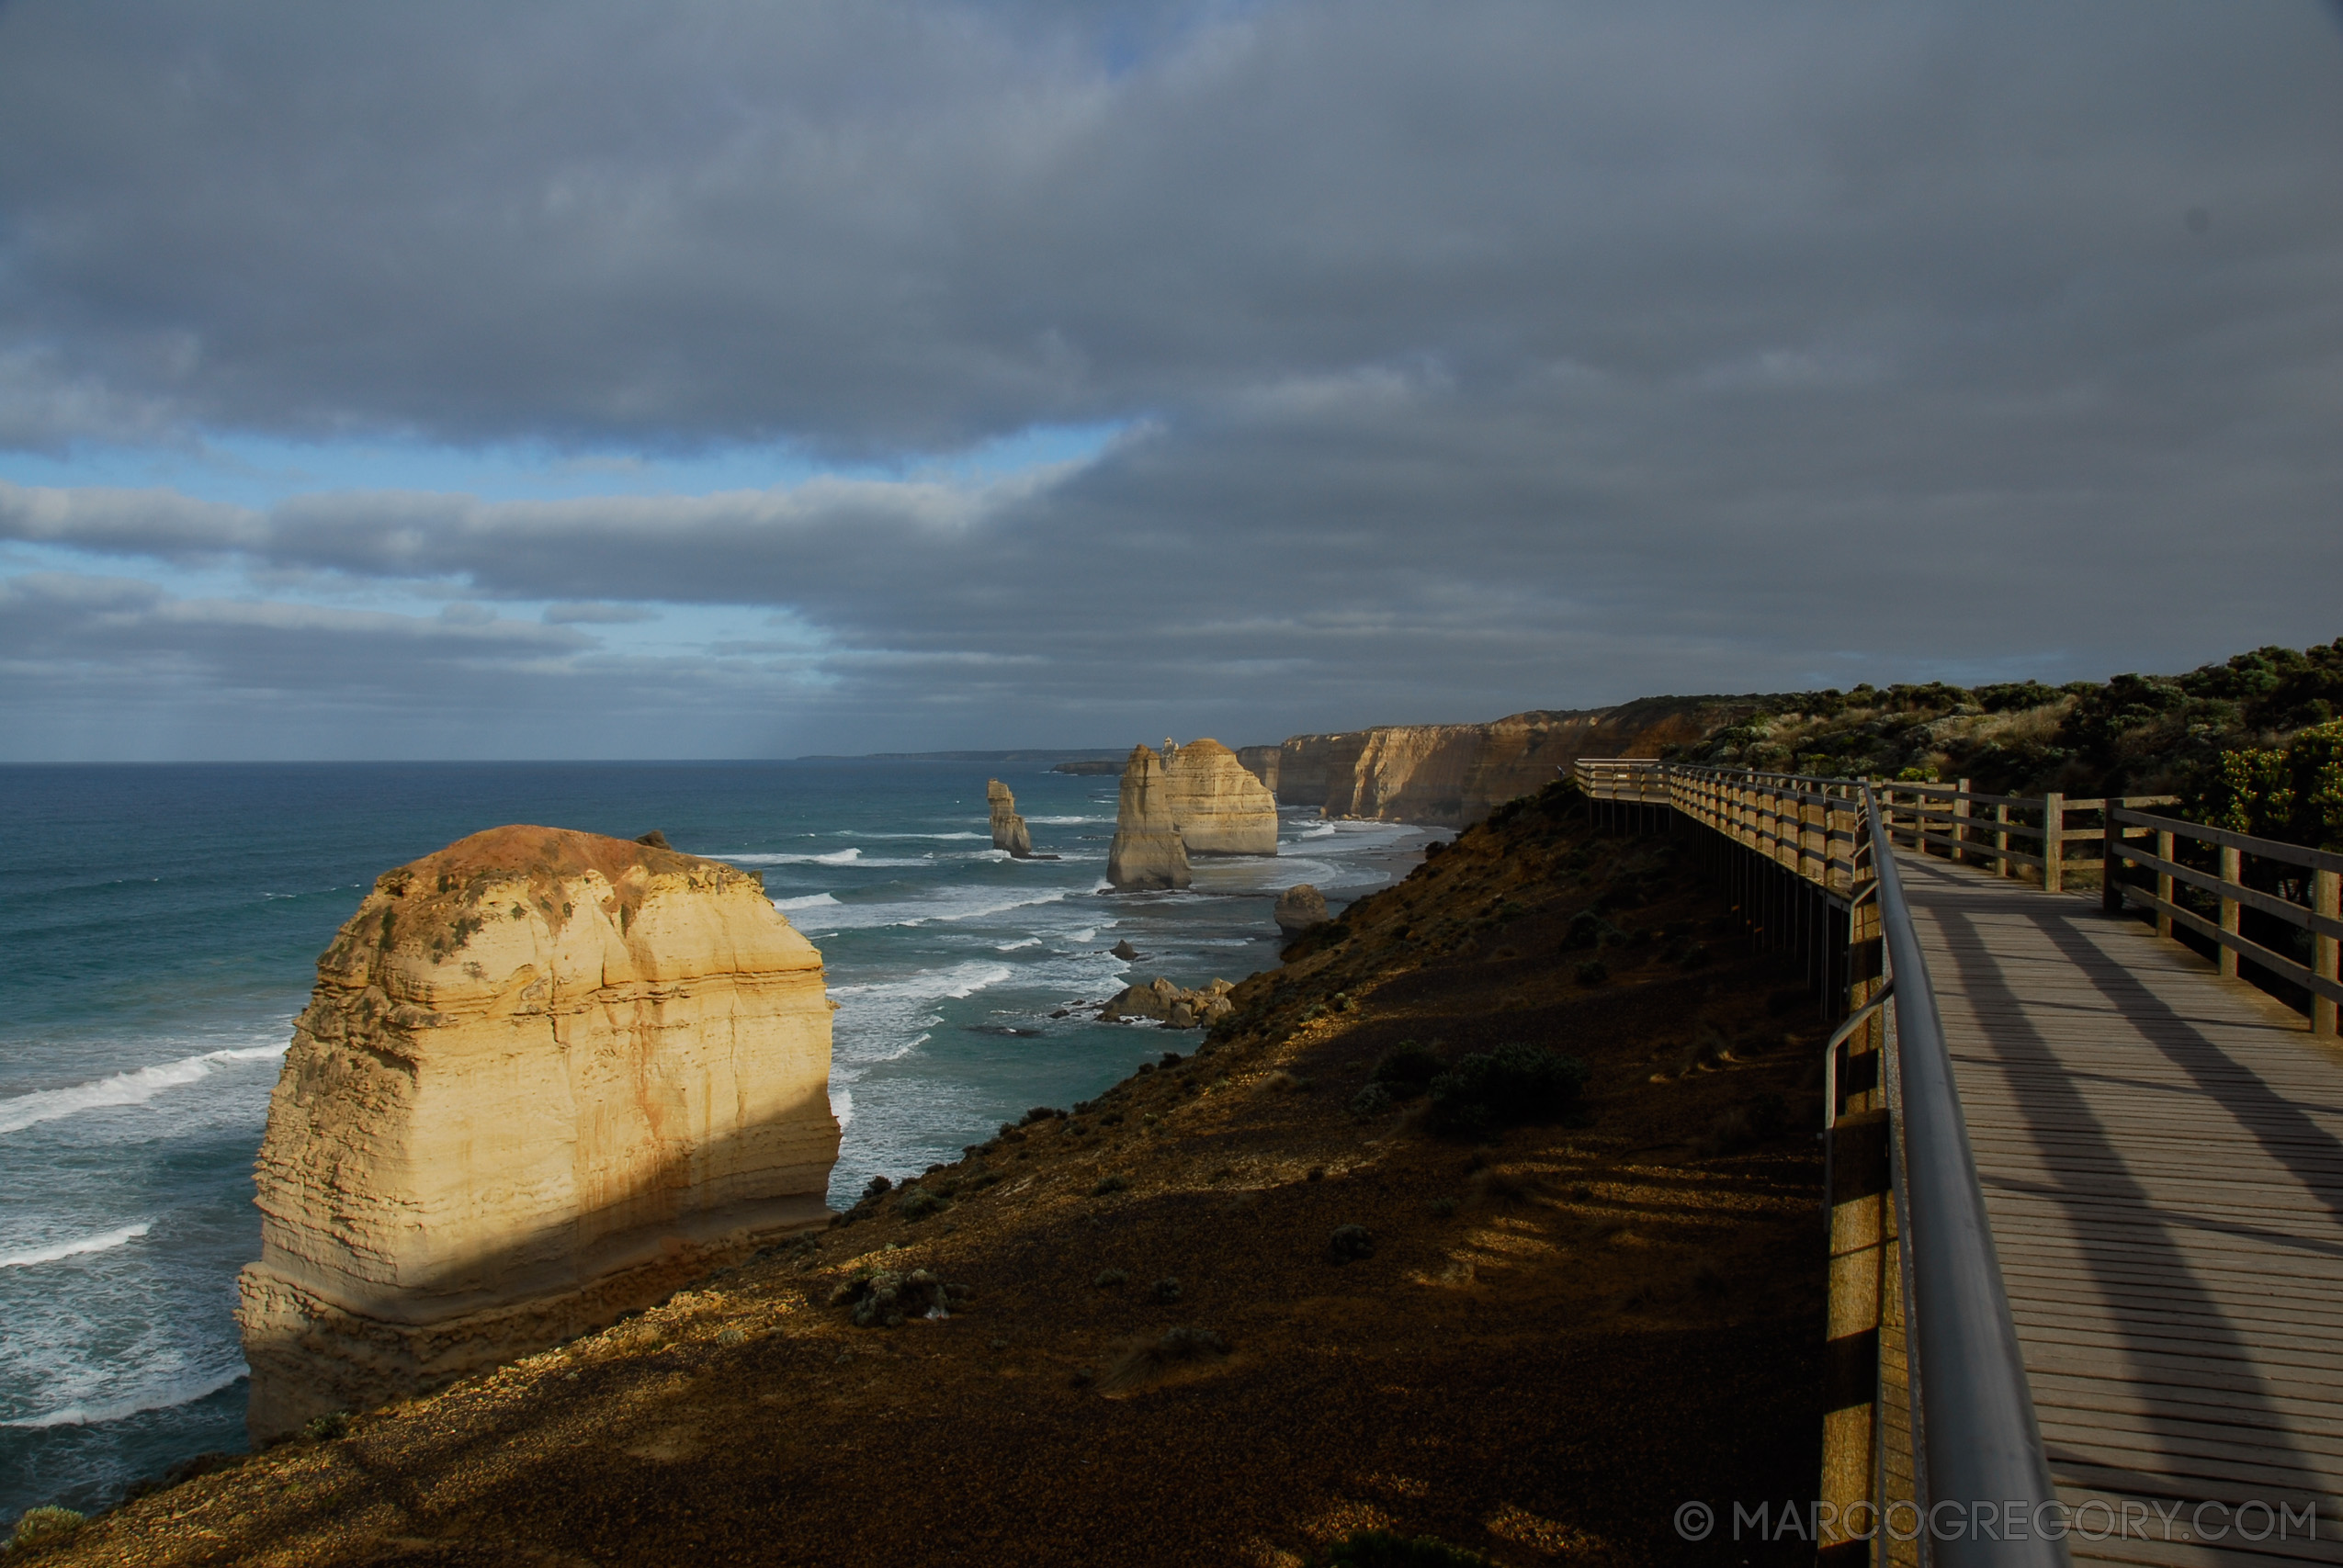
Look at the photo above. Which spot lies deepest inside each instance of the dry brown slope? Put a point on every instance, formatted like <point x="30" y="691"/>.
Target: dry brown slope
<point x="1560" y="1335"/>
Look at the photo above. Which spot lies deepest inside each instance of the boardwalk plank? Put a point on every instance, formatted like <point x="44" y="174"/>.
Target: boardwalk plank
<point x="2161" y="1150"/>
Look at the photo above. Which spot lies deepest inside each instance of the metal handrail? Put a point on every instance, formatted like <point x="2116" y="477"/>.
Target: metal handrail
<point x="1976" y="1408"/>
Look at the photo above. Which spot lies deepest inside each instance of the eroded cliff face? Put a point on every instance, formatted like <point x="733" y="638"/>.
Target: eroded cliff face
<point x="1218" y="808"/>
<point x="545" y="1079"/>
<point x="1147" y="851"/>
<point x="1454" y="775"/>
<point x="1009" y="830"/>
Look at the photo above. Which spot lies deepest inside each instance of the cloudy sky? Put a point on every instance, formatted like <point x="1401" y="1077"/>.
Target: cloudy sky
<point x="745" y="377"/>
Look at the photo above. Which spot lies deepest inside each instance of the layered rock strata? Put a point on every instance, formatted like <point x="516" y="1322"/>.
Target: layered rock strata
<point x="545" y="1079"/>
<point x="1299" y="908"/>
<point x="1219" y="806"/>
<point x="1454" y="775"/>
<point x="1007" y="827"/>
<point x="1147" y="851"/>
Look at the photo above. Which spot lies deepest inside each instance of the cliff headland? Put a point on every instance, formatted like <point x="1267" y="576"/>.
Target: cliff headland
<point x="1489" y="1216"/>
<point x="545" y="1079"/>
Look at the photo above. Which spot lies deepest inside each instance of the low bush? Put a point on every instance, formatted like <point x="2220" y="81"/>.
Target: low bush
<point x="919" y="1204"/>
<point x="1371" y="1101"/>
<point x="1165" y="1291"/>
<point x="1406" y="1069"/>
<point x="325" y="1428"/>
<point x="1349" y="1243"/>
<point x="1111" y="1280"/>
<point x="44" y="1524"/>
<point x="1510" y="1086"/>
<point x="1593" y="972"/>
<point x="1107" y="1184"/>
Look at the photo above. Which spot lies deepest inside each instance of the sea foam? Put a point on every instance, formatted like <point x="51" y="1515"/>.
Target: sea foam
<point x="62" y="1249"/>
<point x="135" y="1088"/>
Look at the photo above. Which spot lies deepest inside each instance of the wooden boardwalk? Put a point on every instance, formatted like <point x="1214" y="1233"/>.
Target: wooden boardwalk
<point x="2161" y="1151"/>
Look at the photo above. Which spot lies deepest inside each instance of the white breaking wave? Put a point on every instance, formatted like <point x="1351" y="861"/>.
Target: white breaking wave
<point x="968" y="904"/>
<point x="859" y="833"/>
<point x="1014" y="946"/>
<point x="811" y="901"/>
<point x="123" y="1088"/>
<point x="1061" y="821"/>
<point x="836" y="857"/>
<point x="165" y="1397"/>
<point x="56" y="1250"/>
<point x="842" y="1105"/>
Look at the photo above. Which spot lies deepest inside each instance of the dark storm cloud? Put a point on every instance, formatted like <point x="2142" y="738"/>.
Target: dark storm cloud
<point x="1476" y="357"/>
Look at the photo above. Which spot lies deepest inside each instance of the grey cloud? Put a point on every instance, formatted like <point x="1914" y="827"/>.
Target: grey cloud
<point x="896" y="224"/>
<point x="1475" y="357"/>
<point x="597" y="614"/>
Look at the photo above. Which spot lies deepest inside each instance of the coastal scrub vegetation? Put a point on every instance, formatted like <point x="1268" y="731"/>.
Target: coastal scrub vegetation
<point x="2252" y="738"/>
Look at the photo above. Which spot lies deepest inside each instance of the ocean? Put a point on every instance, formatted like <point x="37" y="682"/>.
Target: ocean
<point x="159" y="928"/>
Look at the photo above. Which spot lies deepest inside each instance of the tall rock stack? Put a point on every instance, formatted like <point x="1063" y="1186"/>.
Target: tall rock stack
<point x="545" y="1079"/>
<point x="1220" y="808"/>
<point x="1007" y="827"/>
<point x="1147" y="851"/>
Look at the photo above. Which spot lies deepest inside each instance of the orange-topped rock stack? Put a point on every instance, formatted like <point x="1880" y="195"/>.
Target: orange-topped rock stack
<point x="545" y="1077"/>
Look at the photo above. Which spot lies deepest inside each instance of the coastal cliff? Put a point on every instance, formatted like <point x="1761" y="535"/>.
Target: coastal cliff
<point x="1218" y="808"/>
<point x="545" y="1077"/>
<point x="1456" y="774"/>
<point x="1245" y="1305"/>
<point x="1147" y="851"/>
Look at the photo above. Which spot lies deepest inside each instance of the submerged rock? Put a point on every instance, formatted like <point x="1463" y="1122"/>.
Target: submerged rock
<point x="1299" y="908"/>
<point x="545" y="1079"/>
<point x="1007" y="827"/>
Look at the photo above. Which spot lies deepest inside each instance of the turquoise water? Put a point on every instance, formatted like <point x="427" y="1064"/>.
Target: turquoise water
<point x="159" y="928"/>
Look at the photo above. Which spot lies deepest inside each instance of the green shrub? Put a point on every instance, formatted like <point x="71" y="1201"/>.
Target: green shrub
<point x="1109" y="1184"/>
<point x="919" y="1204"/>
<point x="45" y="1524"/>
<point x="1408" y="1069"/>
<point x="1593" y="972"/>
<point x="2292" y="792"/>
<point x="1111" y="1280"/>
<point x="1166" y="1290"/>
<point x="1510" y="1086"/>
<point x="325" y="1428"/>
<point x="1371" y="1101"/>
<point x="1348" y="1243"/>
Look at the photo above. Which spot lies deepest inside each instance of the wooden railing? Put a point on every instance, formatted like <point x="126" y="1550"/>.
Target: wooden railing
<point x="2307" y="903"/>
<point x="1807" y="826"/>
<point x="1948" y="817"/>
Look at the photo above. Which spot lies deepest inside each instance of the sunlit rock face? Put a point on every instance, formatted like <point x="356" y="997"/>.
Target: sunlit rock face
<point x="1299" y="909"/>
<point x="1219" y="808"/>
<point x="1007" y="827"/>
<point x="545" y="1079"/>
<point x="1147" y="851"/>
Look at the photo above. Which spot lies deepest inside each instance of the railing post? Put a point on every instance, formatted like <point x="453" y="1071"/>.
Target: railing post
<point x="1961" y="822"/>
<point x="2054" y="843"/>
<point x="2326" y="900"/>
<point x="2111" y="890"/>
<point x="1860" y="1283"/>
<point x="2163" y="847"/>
<point x="2001" y="866"/>
<point x="2231" y="873"/>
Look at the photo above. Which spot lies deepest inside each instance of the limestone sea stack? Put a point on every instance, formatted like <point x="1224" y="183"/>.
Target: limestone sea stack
<point x="545" y="1079"/>
<point x="1007" y="827"/>
<point x="1219" y="808"/>
<point x="1147" y="851"/>
<point x="1299" y="908"/>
